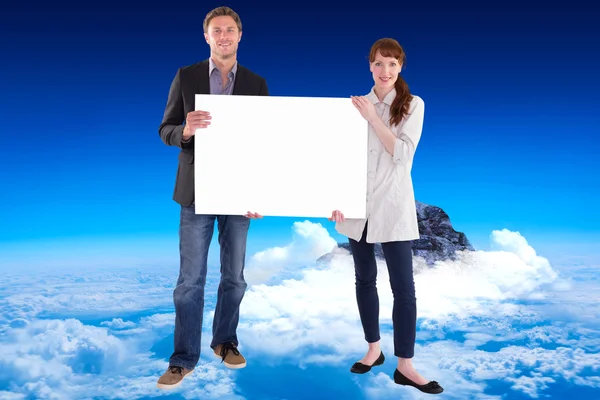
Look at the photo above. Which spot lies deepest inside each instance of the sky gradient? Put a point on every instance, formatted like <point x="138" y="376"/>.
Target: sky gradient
<point x="509" y="140"/>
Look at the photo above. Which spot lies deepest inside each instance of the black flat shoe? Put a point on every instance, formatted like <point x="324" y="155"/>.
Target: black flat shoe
<point x="432" y="387"/>
<point x="360" y="368"/>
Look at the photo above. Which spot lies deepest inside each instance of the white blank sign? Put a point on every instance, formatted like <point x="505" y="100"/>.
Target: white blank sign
<point x="281" y="156"/>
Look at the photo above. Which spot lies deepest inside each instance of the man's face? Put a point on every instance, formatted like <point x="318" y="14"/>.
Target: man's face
<point x="223" y="36"/>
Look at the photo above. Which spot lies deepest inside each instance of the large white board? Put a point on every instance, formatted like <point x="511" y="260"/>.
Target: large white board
<point x="281" y="156"/>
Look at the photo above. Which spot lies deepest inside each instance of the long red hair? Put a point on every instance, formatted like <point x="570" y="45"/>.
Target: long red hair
<point x="391" y="48"/>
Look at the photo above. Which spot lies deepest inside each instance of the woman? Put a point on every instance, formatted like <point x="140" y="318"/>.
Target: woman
<point x="395" y="122"/>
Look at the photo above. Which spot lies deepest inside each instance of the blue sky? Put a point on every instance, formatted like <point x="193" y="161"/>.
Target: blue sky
<point x="510" y="130"/>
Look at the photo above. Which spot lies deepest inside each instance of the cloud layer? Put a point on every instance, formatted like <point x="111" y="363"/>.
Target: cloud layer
<point x="65" y="359"/>
<point x="504" y="318"/>
<point x="489" y="298"/>
<point x="461" y="288"/>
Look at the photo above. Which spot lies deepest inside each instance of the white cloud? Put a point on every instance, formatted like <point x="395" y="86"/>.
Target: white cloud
<point x="487" y="295"/>
<point x="474" y="284"/>
<point x="94" y="293"/>
<point x="531" y="385"/>
<point x="310" y="241"/>
<point x="530" y="369"/>
<point x="5" y="395"/>
<point x="65" y="359"/>
<point x="118" y="323"/>
<point x="497" y="298"/>
<point x="464" y="371"/>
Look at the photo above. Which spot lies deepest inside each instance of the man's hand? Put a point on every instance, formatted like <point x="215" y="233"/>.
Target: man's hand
<point x="252" y="215"/>
<point x="195" y="120"/>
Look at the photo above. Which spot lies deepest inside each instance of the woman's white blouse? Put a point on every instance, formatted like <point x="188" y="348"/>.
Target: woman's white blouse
<point x="391" y="210"/>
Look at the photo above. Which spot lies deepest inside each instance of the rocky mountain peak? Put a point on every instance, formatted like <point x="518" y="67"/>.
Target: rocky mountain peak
<point x="438" y="239"/>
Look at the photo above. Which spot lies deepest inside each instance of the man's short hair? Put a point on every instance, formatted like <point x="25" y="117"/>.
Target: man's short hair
<point x="221" y="12"/>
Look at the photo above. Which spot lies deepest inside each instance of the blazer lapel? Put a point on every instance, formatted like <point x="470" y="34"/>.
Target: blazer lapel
<point x="237" y="86"/>
<point x="203" y="78"/>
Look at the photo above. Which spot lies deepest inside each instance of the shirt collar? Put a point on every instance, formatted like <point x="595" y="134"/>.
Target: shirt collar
<point x="212" y="66"/>
<point x="388" y="99"/>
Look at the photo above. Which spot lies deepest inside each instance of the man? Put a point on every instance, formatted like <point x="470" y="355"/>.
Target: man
<point x="220" y="74"/>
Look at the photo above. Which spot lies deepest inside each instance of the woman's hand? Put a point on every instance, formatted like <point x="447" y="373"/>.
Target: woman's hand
<point x="337" y="216"/>
<point x="366" y="108"/>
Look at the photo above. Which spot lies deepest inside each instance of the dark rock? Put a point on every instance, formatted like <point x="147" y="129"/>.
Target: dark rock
<point x="438" y="240"/>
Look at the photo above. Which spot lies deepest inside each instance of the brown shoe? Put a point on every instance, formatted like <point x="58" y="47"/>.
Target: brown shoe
<point x="172" y="377"/>
<point x="230" y="356"/>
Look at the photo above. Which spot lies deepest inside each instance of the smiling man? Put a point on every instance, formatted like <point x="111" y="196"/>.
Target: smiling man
<point x="219" y="75"/>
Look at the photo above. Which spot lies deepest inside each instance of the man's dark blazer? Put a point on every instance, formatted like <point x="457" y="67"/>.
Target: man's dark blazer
<point x="188" y="82"/>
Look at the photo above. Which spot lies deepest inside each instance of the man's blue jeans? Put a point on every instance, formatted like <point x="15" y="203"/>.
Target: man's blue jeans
<point x="195" y="235"/>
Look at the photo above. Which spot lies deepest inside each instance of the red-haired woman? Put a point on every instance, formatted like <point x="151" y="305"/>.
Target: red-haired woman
<point x="395" y="119"/>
